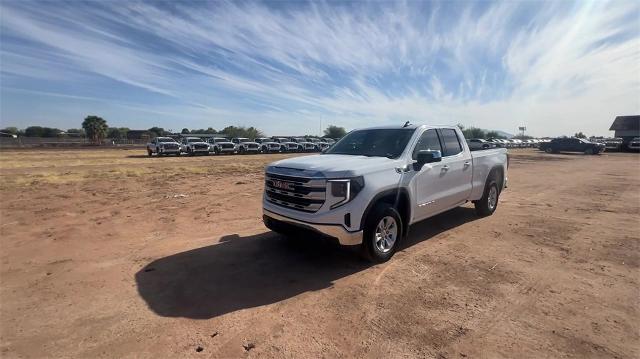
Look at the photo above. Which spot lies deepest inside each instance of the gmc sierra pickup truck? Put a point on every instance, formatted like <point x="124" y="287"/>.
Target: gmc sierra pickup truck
<point x="370" y="186"/>
<point x="163" y="146"/>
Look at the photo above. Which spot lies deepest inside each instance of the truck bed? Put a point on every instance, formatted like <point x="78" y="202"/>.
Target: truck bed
<point x="483" y="161"/>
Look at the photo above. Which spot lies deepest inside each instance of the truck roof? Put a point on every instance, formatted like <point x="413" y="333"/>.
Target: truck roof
<point x="411" y="126"/>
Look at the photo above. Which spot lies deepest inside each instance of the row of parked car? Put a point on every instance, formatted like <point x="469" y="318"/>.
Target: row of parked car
<point x="220" y="145"/>
<point x="561" y="144"/>
<point x="479" y="143"/>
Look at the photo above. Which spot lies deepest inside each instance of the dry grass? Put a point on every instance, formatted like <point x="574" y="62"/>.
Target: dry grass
<point x="32" y="168"/>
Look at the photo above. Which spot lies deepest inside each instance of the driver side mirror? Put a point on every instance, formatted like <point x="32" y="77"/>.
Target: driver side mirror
<point x="427" y="156"/>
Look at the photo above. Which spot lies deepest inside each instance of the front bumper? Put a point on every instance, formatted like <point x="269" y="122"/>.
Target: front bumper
<point x="169" y="150"/>
<point x="337" y="231"/>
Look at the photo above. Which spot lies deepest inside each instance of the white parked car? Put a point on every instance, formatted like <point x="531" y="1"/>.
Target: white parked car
<point x="370" y="186"/>
<point x="163" y="146"/>
<point x="634" y="144"/>
<point x="320" y="145"/>
<point x="220" y="145"/>
<point x="245" y="145"/>
<point x="286" y="145"/>
<point x="194" y="146"/>
<point x="479" y="144"/>
<point x="304" y="145"/>
<point x="268" y="145"/>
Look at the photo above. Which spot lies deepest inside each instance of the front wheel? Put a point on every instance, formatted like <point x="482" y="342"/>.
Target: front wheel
<point x="589" y="151"/>
<point x="149" y="152"/>
<point x="486" y="205"/>
<point x="548" y="150"/>
<point x="382" y="233"/>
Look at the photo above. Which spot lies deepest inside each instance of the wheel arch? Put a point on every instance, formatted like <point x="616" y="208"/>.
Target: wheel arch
<point x="496" y="173"/>
<point x="399" y="199"/>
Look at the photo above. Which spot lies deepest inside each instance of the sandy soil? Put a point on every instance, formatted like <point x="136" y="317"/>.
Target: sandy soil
<point x="112" y="254"/>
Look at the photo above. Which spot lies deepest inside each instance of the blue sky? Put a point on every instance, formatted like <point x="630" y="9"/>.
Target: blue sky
<point x="292" y="67"/>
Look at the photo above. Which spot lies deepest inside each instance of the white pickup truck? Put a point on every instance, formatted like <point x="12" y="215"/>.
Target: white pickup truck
<point x="369" y="187"/>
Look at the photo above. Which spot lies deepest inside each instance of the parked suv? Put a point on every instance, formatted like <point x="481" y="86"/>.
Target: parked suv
<point x="163" y="146"/>
<point x="245" y="145"/>
<point x="369" y="187"/>
<point x="194" y="146"/>
<point x="320" y="145"/>
<point x="303" y="144"/>
<point x="268" y="145"/>
<point x="572" y="145"/>
<point x="220" y="145"/>
<point x="286" y="144"/>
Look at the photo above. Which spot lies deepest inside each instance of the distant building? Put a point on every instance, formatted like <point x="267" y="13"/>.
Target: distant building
<point x="626" y="127"/>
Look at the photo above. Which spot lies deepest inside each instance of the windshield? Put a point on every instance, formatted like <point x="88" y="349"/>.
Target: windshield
<point x="190" y="140"/>
<point x="242" y="140"/>
<point x="376" y="143"/>
<point x="217" y="140"/>
<point x="165" y="140"/>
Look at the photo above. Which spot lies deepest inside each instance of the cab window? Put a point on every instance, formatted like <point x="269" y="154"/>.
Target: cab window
<point x="451" y="142"/>
<point x="428" y="141"/>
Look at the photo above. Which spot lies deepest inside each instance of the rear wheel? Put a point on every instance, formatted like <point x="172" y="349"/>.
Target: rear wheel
<point x="216" y="151"/>
<point x="382" y="233"/>
<point x="486" y="205"/>
<point x="589" y="151"/>
<point x="548" y="150"/>
<point x="149" y="152"/>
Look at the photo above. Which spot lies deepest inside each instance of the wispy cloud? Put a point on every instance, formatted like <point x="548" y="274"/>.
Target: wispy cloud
<point x="556" y="67"/>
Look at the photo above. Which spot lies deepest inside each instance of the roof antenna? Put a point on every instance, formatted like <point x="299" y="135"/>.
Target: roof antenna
<point x="406" y="124"/>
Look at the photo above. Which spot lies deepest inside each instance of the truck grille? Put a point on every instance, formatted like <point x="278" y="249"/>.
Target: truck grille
<point x="300" y="193"/>
<point x="227" y="145"/>
<point x="200" y="147"/>
<point x="252" y="145"/>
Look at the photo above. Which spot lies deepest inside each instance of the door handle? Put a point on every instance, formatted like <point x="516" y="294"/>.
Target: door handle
<point x="467" y="164"/>
<point x="445" y="168"/>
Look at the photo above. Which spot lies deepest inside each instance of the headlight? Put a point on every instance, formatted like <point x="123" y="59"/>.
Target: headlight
<point x="341" y="191"/>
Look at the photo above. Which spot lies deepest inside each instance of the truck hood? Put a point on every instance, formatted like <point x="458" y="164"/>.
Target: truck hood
<point x="333" y="166"/>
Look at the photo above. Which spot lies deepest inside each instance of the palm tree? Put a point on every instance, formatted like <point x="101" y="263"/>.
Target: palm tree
<point x="96" y="128"/>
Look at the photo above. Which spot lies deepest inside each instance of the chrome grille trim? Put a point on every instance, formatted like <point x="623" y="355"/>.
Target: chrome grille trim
<point x="306" y="194"/>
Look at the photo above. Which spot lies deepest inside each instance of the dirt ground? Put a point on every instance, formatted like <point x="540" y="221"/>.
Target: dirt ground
<point x="107" y="253"/>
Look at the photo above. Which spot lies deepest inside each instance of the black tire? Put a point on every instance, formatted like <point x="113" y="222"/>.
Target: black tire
<point x="242" y="151"/>
<point x="370" y="242"/>
<point x="216" y="151"/>
<point x="589" y="151"/>
<point x="486" y="205"/>
<point x="548" y="150"/>
<point x="189" y="152"/>
<point x="149" y="152"/>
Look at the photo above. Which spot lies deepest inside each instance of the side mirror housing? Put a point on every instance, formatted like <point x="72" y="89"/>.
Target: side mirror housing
<point x="427" y="156"/>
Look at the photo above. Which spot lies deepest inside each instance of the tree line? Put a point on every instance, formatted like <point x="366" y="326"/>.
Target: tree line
<point x="96" y="129"/>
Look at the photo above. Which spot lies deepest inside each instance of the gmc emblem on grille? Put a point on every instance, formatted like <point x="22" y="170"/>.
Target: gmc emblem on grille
<point x="288" y="186"/>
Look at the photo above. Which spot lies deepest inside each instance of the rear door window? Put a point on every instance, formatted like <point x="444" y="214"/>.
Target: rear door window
<point x="450" y="142"/>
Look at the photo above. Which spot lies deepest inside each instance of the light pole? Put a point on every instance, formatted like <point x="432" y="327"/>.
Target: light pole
<point x="522" y="129"/>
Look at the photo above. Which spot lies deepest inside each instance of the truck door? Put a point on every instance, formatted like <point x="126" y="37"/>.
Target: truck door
<point x="429" y="184"/>
<point x="457" y="169"/>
